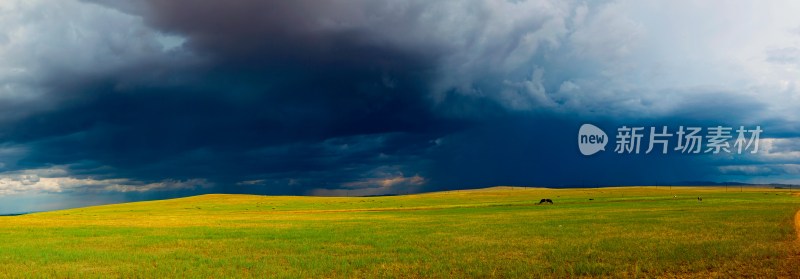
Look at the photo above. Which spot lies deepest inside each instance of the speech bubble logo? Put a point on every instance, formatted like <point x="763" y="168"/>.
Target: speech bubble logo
<point x="591" y="139"/>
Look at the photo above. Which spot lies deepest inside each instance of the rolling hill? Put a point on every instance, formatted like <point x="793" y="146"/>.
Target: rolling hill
<point x="494" y="232"/>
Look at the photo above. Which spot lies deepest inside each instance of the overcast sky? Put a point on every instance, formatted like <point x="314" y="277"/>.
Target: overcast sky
<point x="115" y="100"/>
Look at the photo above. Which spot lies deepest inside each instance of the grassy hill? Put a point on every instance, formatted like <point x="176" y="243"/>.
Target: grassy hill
<point x="495" y="232"/>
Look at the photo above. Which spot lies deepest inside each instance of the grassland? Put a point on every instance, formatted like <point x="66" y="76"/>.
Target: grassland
<point x="497" y="232"/>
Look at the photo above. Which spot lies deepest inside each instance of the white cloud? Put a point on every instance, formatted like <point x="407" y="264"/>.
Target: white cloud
<point x="775" y="162"/>
<point x="761" y="169"/>
<point x="779" y="150"/>
<point x="379" y="181"/>
<point x="385" y="182"/>
<point x="57" y="179"/>
<point x="621" y="58"/>
<point x="45" y="46"/>
<point x="255" y="182"/>
<point x="165" y="185"/>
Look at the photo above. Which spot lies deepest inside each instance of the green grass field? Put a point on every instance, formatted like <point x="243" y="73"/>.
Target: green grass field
<point x="497" y="232"/>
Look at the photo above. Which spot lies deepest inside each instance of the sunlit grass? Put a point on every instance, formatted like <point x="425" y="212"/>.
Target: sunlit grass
<point x="496" y="232"/>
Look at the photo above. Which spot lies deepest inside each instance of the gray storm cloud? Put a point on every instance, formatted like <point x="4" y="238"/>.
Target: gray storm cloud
<point x="613" y="57"/>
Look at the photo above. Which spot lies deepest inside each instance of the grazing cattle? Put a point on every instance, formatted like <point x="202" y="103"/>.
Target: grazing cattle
<point x="699" y="199"/>
<point x="545" y="201"/>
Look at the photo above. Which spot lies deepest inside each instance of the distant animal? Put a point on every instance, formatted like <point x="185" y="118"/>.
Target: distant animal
<point x="545" y="201"/>
<point x="699" y="199"/>
<point x="591" y="199"/>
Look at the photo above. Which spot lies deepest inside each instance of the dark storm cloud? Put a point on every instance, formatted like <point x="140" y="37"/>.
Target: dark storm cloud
<point x="152" y="132"/>
<point x="296" y="35"/>
<point x="248" y="97"/>
<point x="368" y="97"/>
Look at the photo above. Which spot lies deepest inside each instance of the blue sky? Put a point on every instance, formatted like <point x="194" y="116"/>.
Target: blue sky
<point x="109" y="101"/>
